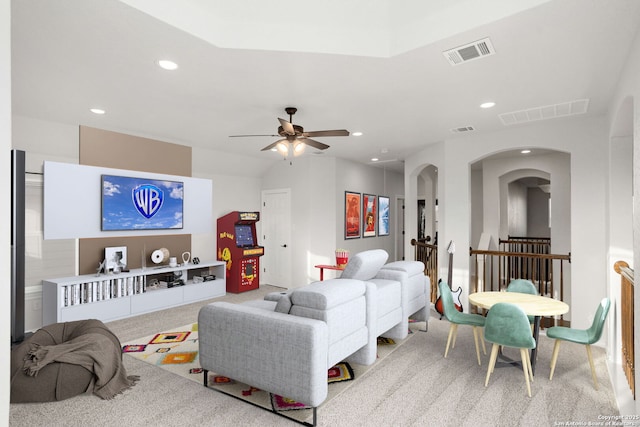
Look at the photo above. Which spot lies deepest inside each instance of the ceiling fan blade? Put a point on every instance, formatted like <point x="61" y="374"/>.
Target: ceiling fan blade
<point x="314" y="144"/>
<point x="244" y="136"/>
<point x="287" y="127"/>
<point x="337" y="132"/>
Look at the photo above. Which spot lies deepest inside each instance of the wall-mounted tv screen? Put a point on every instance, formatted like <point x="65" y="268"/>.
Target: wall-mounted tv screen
<point x="130" y="203"/>
<point x="244" y="235"/>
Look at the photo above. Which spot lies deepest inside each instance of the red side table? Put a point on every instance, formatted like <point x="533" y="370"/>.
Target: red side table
<point x="322" y="267"/>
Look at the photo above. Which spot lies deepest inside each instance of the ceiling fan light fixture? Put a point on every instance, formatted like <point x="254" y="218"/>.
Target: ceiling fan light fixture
<point x="298" y="148"/>
<point x="283" y="148"/>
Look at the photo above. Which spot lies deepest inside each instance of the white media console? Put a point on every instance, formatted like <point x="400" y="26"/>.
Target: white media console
<point x="108" y="297"/>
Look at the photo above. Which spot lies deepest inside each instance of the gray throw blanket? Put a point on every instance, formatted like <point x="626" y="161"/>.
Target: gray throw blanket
<point x="94" y="352"/>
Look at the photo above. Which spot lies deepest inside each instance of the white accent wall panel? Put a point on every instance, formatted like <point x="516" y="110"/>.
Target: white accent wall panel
<point x="72" y="199"/>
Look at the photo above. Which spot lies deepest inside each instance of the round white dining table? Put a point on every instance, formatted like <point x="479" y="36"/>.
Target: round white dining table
<point x="532" y="305"/>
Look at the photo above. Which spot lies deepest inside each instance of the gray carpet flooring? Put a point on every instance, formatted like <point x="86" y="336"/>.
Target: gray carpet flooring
<point x="414" y="386"/>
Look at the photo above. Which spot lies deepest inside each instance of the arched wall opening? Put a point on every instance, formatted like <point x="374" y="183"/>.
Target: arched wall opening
<point x="578" y="187"/>
<point x="517" y="194"/>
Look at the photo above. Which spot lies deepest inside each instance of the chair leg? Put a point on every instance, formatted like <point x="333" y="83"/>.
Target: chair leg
<point x="492" y="362"/>
<point x="455" y="335"/>
<point x="484" y="349"/>
<point x="525" y="368"/>
<point x="475" y="339"/>
<point x="452" y="332"/>
<point x="554" y="358"/>
<point x="593" y="368"/>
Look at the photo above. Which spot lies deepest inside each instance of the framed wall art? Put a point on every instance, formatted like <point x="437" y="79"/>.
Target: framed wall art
<point x="383" y="216"/>
<point x="351" y="215"/>
<point x="369" y="215"/>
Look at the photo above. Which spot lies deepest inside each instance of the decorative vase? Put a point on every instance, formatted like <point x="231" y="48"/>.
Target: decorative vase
<point x="342" y="257"/>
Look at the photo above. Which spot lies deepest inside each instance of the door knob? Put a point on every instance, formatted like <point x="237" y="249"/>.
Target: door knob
<point x="284" y="246"/>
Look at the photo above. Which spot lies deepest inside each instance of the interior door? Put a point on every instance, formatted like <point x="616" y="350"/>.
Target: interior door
<point x="276" y="238"/>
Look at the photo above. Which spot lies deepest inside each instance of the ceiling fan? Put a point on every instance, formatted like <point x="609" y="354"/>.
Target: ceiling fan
<point x="294" y="138"/>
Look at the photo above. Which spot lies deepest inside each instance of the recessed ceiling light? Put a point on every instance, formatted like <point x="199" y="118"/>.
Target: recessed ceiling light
<point x="525" y="151"/>
<point x="487" y="104"/>
<point x="375" y="159"/>
<point x="357" y="134"/>
<point x="167" y="65"/>
<point x="97" y="111"/>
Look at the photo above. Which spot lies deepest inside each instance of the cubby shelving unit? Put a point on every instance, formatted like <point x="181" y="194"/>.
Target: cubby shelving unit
<point x="108" y="297"/>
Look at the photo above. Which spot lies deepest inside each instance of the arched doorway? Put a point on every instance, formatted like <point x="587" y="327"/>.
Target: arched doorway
<point x="526" y="195"/>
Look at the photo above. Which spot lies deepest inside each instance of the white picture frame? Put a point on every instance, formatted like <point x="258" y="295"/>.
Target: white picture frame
<point x="116" y="258"/>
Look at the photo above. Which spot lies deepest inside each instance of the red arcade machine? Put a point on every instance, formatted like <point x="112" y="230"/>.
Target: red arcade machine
<point x="238" y="247"/>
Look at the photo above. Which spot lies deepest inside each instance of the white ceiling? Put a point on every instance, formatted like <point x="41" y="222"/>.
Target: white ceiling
<point x="371" y="66"/>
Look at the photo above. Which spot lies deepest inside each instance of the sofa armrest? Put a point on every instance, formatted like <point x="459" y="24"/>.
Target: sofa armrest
<point x="275" y="352"/>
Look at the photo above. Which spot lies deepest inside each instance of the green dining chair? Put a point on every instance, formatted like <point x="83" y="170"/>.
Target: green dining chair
<point x="456" y="318"/>
<point x="507" y="325"/>
<point x="523" y="286"/>
<point x="580" y="336"/>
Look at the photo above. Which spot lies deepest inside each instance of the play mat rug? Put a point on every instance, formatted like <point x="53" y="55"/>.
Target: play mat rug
<point x="176" y="350"/>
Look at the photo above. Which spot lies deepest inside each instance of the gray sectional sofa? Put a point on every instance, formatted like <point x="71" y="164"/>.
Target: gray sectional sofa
<point x="285" y="343"/>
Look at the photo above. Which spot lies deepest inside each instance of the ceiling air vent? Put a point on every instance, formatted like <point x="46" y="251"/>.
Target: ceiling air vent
<point x="469" y="52"/>
<point x="570" y="108"/>
<point x="462" y="129"/>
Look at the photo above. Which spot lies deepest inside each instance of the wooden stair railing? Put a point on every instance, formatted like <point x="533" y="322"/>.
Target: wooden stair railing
<point x="428" y="254"/>
<point x="517" y="266"/>
<point x="495" y="269"/>
<point x="627" y="319"/>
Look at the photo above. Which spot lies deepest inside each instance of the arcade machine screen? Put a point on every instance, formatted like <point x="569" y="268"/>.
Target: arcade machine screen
<point x="244" y="236"/>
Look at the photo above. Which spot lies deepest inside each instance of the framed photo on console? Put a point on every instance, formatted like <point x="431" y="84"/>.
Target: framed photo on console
<point x="369" y="215"/>
<point x="115" y="257"/>
<point x="351" y="215"/>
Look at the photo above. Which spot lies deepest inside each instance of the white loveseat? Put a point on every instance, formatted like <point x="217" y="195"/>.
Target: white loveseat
<point x="286" y="343"/>
<point x="287" y="352"/>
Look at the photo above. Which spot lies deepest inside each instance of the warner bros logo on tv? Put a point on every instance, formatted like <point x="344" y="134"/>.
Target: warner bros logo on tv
<point x="147" y="199"/>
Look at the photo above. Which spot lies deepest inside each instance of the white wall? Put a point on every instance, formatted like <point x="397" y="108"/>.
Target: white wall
<point x="428" y="191"/>
<point x="499" y="172"/>
<point x="360" y="178"/>
<point x="587" y="176"/>
<point x="517" y="209"/>
<point x="317" y="185"/>
<point x="50" y="141"/>
<point x="537" y="213"/>
<point x="5" y="194"/>
<point x="627" y="97"/>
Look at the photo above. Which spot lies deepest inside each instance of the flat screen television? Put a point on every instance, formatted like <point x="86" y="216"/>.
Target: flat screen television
<point x="130" y="203"/>
<point x="244" y="235"/>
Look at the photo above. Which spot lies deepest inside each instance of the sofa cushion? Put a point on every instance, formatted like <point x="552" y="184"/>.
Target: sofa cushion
<point x="327" y="294"/>
<point x="365" y="265"/>
<point x="284" y="304"/>
<point x="410" y="267"/>
<point x="342" y="320"/>
<point x="388" y="295"/>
